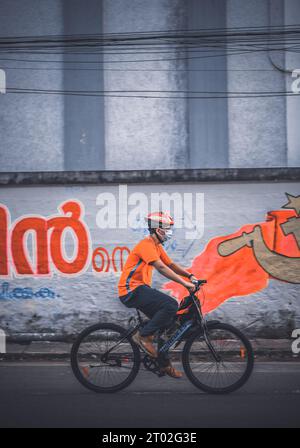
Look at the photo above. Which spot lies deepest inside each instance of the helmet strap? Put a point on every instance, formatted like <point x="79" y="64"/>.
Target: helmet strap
<point x="158" y="237"/>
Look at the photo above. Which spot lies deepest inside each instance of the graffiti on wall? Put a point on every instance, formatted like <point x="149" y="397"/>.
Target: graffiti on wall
<point x="49" y="253"/>
<point x="103" y="261"/>
<point x="243" y="263"/>
<point x="49" y="246"/>
<point x="8" y="293"/>
<point x="234" y="265"/>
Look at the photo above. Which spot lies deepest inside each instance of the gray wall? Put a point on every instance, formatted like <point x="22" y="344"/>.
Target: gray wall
<point x="257" y="126"/>
<point x="83" y="116"/>
<point x="292" y="62"/>
<point x="54" y="132"/>
<point x="145" y="133"/>
<point x="208" y="118"/>
<point x="51" y="132"/>
<point x="31" y="126"/>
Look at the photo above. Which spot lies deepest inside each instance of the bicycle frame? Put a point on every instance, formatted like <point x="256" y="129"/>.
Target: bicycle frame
<point x="197" y="304"/>
<point x="177" y="336"/>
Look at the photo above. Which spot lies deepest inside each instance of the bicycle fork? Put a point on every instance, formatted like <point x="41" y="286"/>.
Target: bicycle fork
<point x="211" y="347"/>
<point x="204" y="326"/>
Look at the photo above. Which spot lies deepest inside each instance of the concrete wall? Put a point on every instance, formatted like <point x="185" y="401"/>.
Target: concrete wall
<point x="31" y="126"/>
<point x="145" y="133"/>
<point x="83" y="115"/>
<point x="292" y="62"/>
<point x="64" y="304"/>
<point x="208" y="119"/>
<point x="53" y="132"/>
<point x="257" y="126"/>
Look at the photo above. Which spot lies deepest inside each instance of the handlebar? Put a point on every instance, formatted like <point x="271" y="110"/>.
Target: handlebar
<point x="189" y="299"/>
<point x="198" y="284"/>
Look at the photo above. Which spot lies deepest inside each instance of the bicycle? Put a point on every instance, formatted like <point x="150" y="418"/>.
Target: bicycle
<point x="217" y="357"/>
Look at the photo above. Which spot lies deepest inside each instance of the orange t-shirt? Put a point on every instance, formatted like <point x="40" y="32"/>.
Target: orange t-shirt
<point x="138" y="270"/>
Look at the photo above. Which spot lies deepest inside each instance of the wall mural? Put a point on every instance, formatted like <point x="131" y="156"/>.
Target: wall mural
<point x="243" y="263"/>
<point x="234" y="265"/>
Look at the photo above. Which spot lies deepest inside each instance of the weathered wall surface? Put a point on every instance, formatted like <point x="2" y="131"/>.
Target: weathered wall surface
<point x="292" y="62"/>
<point x="54" y="132"/>
<point x="136" y="126"/>
<point x="31" y="126"/>
<point x="65" y="303"/>
<point x="257" y="131"/>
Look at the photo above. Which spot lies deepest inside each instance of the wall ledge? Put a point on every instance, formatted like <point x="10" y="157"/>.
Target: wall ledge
<point x="150" y="176"/>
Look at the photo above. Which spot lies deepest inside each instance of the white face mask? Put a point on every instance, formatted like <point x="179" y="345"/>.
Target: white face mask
<point x="168" y="234"/>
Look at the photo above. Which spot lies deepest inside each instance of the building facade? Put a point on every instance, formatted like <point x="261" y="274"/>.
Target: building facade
<point x="58" y="132"/>
<point x="178" y="120"/>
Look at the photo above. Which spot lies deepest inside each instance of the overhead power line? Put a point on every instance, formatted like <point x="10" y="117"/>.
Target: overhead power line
<point x="155" y="94"/>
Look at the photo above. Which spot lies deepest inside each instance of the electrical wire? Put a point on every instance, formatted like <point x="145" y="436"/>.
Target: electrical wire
<point x="137" y="70"/>
<point x="146" y="94"/>
<point x="184" y="44"/>
<point x="185" y="58"/>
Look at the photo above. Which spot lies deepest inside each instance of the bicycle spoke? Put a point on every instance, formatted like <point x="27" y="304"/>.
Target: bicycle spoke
<point x="218" y="374"/>
<point x="106" y="373"/>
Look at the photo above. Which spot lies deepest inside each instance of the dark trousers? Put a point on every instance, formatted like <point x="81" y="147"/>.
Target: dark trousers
<point x="157" y="306"/>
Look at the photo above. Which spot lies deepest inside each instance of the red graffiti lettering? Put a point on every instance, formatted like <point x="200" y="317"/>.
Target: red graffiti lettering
<point x="3" y="241"/>
<point x="19" y="249"/>
<point x="119" y="250"/>
<point x="104" y="255"/>
<point x="59" y="225"/>
<point x="48" y="242"/>
<point x="118" y="254"/>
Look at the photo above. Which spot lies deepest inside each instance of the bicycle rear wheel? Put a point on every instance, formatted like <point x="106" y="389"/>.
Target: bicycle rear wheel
<point x="231" y="369"/>
<point x="105" y="374"/>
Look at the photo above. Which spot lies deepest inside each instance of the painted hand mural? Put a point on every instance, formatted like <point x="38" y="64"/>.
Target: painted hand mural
<point x="242" y="263"/>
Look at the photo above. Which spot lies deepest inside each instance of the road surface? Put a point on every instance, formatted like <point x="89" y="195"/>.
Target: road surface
<point x="47" y="395"/>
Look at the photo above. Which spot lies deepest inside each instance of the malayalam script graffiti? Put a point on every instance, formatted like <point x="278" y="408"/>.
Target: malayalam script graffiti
<point x="102" y="261"/>
<point x="49" y="251"/>
<point x="8" y="293"/>
<point x="49" y="245"/>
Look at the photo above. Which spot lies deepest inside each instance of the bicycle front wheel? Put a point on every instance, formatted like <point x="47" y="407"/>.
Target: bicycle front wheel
<point x="222" y="363"/>
<point x="104" y="359"/>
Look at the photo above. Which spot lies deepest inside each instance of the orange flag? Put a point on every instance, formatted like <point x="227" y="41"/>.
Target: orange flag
<point x="239" y="272"/>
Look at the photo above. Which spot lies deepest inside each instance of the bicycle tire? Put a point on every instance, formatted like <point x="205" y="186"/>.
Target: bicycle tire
<point x="76" y="369"/>
<point x="216" y="390"/>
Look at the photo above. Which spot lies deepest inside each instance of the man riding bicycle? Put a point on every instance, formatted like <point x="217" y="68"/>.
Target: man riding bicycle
<point x="135" y="284"/>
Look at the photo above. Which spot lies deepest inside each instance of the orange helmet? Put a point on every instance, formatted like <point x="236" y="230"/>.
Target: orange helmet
<point x="159" y="219"/>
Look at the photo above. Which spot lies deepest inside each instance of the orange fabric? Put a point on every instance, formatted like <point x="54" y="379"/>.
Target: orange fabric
<point x="138" y="270"/>
<point x="238" y="274"/>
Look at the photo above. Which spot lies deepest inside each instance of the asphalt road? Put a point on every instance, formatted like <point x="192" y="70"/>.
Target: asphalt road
<point x="47" y="395"/>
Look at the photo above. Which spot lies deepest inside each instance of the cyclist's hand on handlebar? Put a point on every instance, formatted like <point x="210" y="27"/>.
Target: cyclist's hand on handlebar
<point x="190" y="286"/>
<point x="193" y="279"/>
